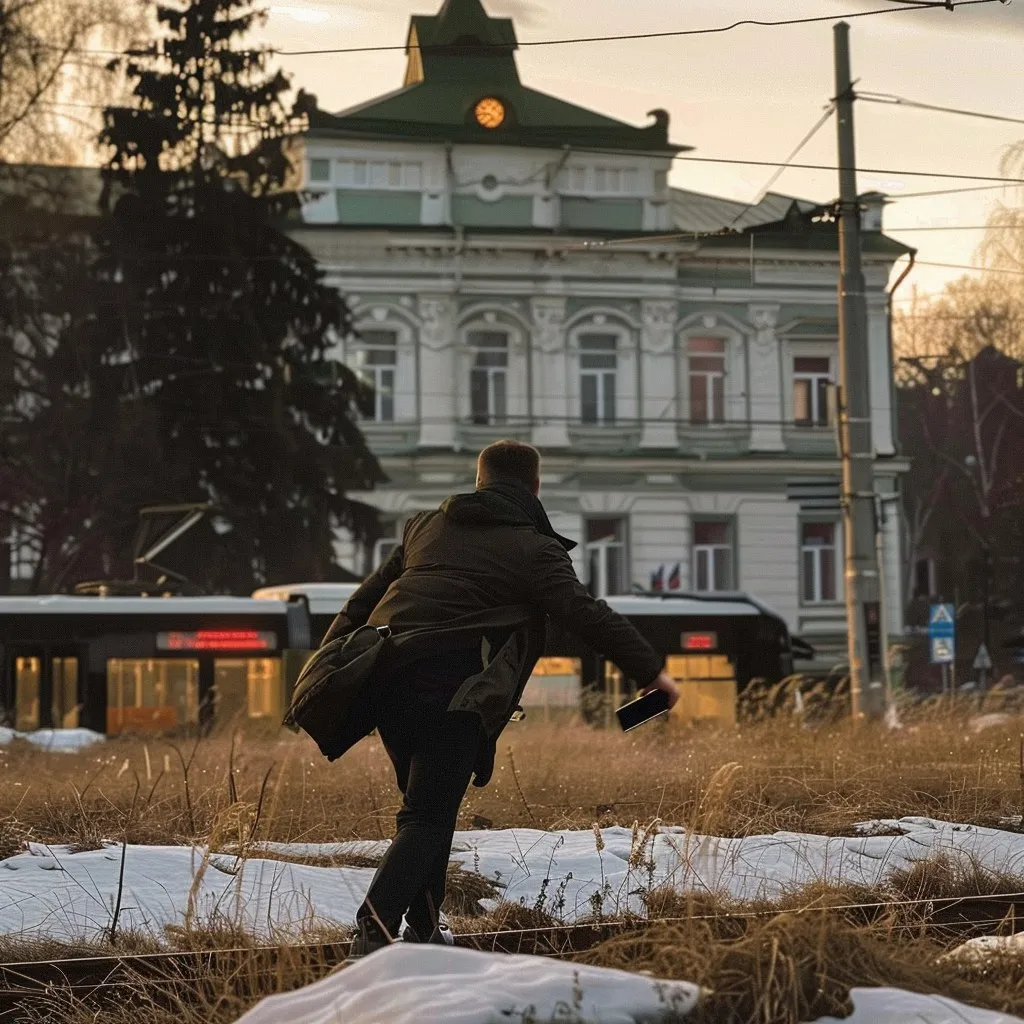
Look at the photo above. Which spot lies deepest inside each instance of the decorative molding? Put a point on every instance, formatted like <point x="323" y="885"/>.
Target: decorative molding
<point x="437" y="314"/>
<point x="491" y="313"/>
<point x="765" y="317"/>
<point x="548" y="324"/>
<point x="725" y="324"/>
<point x="659" y="318"/>
<point x="613" y="317"/>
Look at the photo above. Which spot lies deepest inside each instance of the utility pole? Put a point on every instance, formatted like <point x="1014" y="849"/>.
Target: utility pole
<point x="863" y="582"/>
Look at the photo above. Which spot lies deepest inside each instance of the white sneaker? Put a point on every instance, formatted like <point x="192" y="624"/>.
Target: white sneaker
<point x="441" y="936"/>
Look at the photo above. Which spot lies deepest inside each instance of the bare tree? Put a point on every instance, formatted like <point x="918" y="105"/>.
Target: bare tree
<point x="54" y="79"/>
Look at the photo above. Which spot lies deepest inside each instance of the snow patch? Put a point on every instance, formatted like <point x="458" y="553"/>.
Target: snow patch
<point x="65" y="741"/>
<point x="413" y="984"/>
<point x="894" y="1006"/>
<point x="50" y="891"/>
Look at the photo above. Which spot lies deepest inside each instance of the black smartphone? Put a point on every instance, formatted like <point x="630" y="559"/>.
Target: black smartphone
<point x="641" y="711"/>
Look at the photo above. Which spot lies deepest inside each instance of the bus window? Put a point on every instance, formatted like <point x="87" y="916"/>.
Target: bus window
<point x="554" y="687"/>
<point x="249" y="686"/>
<point x="65" y="693"/>
<point x="151" y="694"/>
<point x="27" y="673"/>
<point x="708" y="688"/>
<point x="683" y="667"/>
<point x="266" y="689"/>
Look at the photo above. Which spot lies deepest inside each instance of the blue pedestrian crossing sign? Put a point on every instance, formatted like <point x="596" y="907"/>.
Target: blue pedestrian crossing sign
<point x="942" y="634"/>
<point x="942" y="620"/>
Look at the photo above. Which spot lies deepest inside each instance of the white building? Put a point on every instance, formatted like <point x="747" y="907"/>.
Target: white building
<point x="520" y="267"/>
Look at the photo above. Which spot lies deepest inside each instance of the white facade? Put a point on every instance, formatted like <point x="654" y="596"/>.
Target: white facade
<point x="671" y="353"/>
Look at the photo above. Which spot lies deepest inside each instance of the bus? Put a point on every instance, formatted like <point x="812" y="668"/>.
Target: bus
<point x="162" y="664"/>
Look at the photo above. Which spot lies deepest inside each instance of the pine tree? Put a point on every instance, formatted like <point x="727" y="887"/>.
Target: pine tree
<point x="225" y="321"/>
<point x="68" y="492"/>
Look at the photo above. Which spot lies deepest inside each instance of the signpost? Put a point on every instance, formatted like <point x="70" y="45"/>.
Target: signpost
<point x="983" y="665"/>
<point x="942" y="639"/>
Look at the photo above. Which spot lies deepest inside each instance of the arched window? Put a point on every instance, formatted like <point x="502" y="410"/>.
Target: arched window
<point x="599" y="368"/>
<point x="488" y="376"/>
<point x="706" y="361"/>
<point x="377" y="360"/>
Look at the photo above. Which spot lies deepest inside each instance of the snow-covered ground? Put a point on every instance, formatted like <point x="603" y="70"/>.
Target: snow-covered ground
<point x="414" y="985"/>
<point x="64" y="741"/>
<point x="51" y="891"/>
<point x="417" y="984"/>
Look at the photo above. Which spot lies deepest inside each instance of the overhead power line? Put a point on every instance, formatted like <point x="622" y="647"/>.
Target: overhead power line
<point x="786" y="164"/>
<point x="831" y="167"/>
<point x="965" y="266"/>
<point x="888" y="99"/>
<point x="903" y="7"/>
<point x="236" y="123"/>
<point x="679" y="33"/>
<point x="944" y="192"/>
<point x="958" y="227"/>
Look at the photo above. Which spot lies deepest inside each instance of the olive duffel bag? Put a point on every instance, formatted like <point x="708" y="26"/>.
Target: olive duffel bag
<point x="329" y="699"/>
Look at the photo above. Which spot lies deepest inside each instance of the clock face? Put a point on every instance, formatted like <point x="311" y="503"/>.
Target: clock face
<point x="490" y="113"/>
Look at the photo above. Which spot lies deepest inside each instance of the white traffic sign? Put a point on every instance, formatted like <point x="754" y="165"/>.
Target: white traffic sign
<point x="983" y="660"/>
<point x="943" y="650"/>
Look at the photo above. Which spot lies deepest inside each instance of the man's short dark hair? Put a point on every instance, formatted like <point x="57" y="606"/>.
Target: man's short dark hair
<point x="509" y="462"/>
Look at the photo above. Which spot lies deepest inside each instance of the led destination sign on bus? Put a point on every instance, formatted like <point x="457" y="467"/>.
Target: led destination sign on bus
<point x="217" y="640"/>
<point x="700" y="642"/>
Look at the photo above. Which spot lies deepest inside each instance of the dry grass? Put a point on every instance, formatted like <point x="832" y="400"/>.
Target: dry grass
<point x="792" y="960"/>
<point x="788" y="773"/>
<point x="761" y="964"/>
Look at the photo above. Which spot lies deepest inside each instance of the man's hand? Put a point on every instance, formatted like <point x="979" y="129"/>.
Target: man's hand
<point x="667" y="684"/>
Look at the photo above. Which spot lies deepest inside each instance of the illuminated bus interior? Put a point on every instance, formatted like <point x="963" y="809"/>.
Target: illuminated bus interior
<point x="151" y="694"/>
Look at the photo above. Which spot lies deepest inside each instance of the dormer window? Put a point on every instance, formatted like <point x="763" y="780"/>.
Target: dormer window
<point x="600" y="180"/>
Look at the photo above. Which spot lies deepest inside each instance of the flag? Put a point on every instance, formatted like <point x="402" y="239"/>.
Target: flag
<point x="675" y="581"/>
<point x="658" y="580"/>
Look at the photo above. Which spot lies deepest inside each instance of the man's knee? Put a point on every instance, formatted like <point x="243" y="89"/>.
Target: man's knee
<point x="432" y="820"/>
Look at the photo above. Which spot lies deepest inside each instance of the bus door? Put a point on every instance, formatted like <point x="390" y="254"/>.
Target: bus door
<point x="706" y="678"/>
<point x="65" y="670"/>
<point x="23" y="700"/>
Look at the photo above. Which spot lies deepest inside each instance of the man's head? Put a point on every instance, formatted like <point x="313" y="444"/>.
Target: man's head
<point x="509" y="462"/>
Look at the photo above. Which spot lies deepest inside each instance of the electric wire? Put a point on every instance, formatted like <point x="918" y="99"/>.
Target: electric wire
<point x="674" y="34"/>
<point x="888" y="99"/>
<point x="948" y="5"/>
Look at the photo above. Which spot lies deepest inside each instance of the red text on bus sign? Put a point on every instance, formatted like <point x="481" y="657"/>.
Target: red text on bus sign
<point x="700" y="641"/>
<point x="217" y="640"/>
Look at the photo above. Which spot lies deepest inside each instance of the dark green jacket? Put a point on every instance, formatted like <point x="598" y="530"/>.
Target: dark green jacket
<point x="480" y="567"/>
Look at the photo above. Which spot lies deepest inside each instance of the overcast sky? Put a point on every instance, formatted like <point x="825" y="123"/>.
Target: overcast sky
<point x="752" y="93"/>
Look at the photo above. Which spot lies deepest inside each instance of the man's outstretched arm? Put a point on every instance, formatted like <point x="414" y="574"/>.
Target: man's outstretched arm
<point x="555" y="588"/>
<point x="360" y="605"/>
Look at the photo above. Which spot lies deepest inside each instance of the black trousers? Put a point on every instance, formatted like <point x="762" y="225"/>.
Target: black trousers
<point x="433" y="753"/>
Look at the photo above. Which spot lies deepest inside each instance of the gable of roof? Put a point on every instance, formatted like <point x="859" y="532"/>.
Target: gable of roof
<point x="460" y="56"/>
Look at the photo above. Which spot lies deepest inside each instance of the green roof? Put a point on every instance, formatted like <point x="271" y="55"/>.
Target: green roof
<point x="460" y="56"/>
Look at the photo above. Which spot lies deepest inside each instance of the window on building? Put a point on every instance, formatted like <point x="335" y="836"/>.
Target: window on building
<point x="598" y="372"/>
<point x="707" y="380"/>
<point x="488" y="382"/>
<point x="384" y="547"/>
<point x="319" y="170"/>
<point x="378" y="366"/>
<point x="607" y="557"/>
<point x="819" y="546"/>
<point x="812" y="379"/>
<point x="24" y="555"/>
<point x="601" y="179"/>
<point x="389" y="175"/>
<point x="713" y="556"/>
